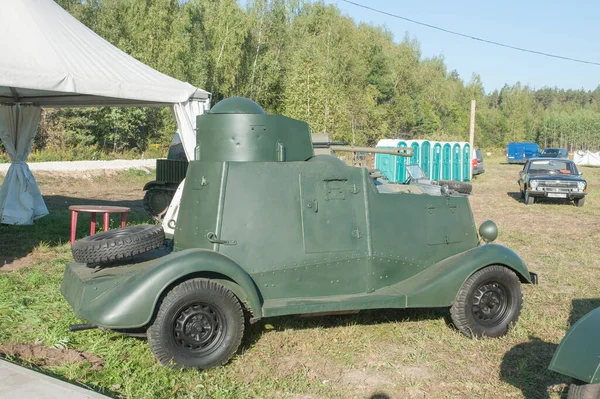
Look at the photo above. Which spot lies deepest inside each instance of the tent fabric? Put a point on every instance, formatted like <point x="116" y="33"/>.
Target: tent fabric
<point x="185" y="114"/>
<point x="20" y="199"/>
<point x="586" y="158"/>
<point x="51" y="59"/>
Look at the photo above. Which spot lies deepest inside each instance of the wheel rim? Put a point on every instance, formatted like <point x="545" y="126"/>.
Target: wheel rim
<point x="490" y="304"/>
<point x="159" y="202"/>
<point x="199" y="328"/>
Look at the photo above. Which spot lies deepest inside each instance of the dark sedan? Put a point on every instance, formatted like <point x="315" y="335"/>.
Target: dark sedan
<point x="551" y="178"/>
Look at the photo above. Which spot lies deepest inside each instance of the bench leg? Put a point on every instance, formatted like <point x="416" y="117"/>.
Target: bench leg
<point x="73" y="226"/>
<point x="93" y="224"/>
<point x="106" y="215"/>
<point x="123" y="219"/>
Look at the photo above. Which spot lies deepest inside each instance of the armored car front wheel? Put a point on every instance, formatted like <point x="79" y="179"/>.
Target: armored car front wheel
<point x="488" y="303"/>
<point x="199" y="323"/>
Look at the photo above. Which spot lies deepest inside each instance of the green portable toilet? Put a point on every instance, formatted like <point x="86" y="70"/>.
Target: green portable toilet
<point x="447" y="162"/>
<point x="436" y="164"/>
<point x="426" y="157"/>
<point x="386" y="163"/>
<point x="401" y="164"/>
<point x="466" y="162"/>
<point x="416" y="147"/>
<point x="456" y="161"/>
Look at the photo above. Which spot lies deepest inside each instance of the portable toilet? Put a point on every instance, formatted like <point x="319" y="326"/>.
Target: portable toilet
<point x="416" y="147"/>
<point x="387" y="163"/>
<point x="436" y="162"/>
<point x="466" y="162"/>
<point x="401" y="163"/>
<point x="426" y="157"/>
<point x="447" y="161"/>
<point x="456" y="161"/>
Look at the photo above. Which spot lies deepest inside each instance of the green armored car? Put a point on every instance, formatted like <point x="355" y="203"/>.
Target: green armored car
<point x="266" y="228"/>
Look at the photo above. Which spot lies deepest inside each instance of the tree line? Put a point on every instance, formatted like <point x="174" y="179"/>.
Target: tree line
<point x="309" y="61"/>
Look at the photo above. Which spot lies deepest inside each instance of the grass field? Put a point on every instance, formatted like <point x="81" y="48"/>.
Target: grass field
<point x="375" y="354"/>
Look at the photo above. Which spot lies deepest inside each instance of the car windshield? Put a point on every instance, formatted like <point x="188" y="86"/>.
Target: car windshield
<point x="550" y="151"/>
<point x="552" y="167"/>
<point x="415" y="172"/>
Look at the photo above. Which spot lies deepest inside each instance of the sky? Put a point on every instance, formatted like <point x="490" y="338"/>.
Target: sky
<point x="564" y="28"/>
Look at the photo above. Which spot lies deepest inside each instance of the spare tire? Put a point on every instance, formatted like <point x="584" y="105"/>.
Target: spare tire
<point x="458" y="186"/>
<point x="118" y="244"/>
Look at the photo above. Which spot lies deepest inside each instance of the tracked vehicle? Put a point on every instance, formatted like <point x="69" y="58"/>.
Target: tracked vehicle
<point x="266" y="228"/>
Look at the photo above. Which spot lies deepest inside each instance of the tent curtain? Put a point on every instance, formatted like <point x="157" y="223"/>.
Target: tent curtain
<point x="20" y="199"/>
<point x="185" y="114"/>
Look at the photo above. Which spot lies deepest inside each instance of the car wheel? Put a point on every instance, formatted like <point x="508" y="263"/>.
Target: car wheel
<point x="200" y="323"/>
<point x="488" y="303"/>
<point x="118" y="244"/>
<point x="584" y="391"/>
<point x="579" y="202"/>
<point x="156" y="202"/>
<point x="529" y="200"/>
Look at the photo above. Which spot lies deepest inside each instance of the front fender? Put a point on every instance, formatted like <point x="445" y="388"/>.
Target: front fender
<point x="439" y="284"/>
<point x="131" y="303"/>
<point x="152" y="184"/>
<point x="578" y="354"/>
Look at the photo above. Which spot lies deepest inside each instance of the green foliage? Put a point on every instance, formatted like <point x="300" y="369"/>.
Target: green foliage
<point x="309" y="61"/>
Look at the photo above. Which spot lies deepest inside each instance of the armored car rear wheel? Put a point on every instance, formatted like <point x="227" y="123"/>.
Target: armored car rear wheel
<point x="488" y="303"/>
<point x="200" y="323"/>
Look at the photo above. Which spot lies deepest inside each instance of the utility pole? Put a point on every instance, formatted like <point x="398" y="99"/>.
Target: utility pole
<point x="472" y="134"/>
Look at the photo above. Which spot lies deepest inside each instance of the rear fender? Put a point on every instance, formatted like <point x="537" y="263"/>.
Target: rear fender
<point x="578" y="354"/>
<point x="131" y="303"/>
<point x="152" y="184"/>
<point x="440" y="283"/>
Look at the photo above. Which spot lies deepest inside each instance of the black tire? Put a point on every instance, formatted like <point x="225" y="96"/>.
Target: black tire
<point x="156" y="202"/>
<point x="528" y="199"/>
<point x="458" y="186"/>
<point x="200" y="323"/>
<point x="118" y="244"/>
<point x="584" y="391"/>
<point x="488" y="303"/>
<point x="579" y="202"/>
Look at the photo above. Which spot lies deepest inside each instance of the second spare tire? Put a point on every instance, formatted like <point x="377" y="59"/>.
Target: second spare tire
<point x="458" y="186"/>
<point x="118" y="244"/>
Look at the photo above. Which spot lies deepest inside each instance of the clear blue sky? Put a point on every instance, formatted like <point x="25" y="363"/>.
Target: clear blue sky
<point x="560" y="27"/>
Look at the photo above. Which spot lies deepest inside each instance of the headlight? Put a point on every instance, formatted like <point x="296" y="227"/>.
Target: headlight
<point x="581" y="185"/>
<point x="533" y="184"/>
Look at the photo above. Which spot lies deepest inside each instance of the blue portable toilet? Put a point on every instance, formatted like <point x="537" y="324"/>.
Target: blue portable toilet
<point x="436" y="164"/>
<point x="456" y="161"/>
<point x="466" y="162"/>
<point x="426" y="157"/>
<point x="447" y="162"/>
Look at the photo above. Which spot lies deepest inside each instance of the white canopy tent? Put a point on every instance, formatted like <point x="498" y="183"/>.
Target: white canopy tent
<point x="50" y="59"/>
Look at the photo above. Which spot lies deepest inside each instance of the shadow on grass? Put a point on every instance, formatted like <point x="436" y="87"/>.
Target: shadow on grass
<point x="53" y="230"/>
<point x="515" y="195"/>
<point x="365" y="317"/>
<point x="526" y="365"/>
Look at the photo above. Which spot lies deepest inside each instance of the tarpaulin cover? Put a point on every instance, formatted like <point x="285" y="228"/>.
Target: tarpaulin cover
<point x="586" y="158"/>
